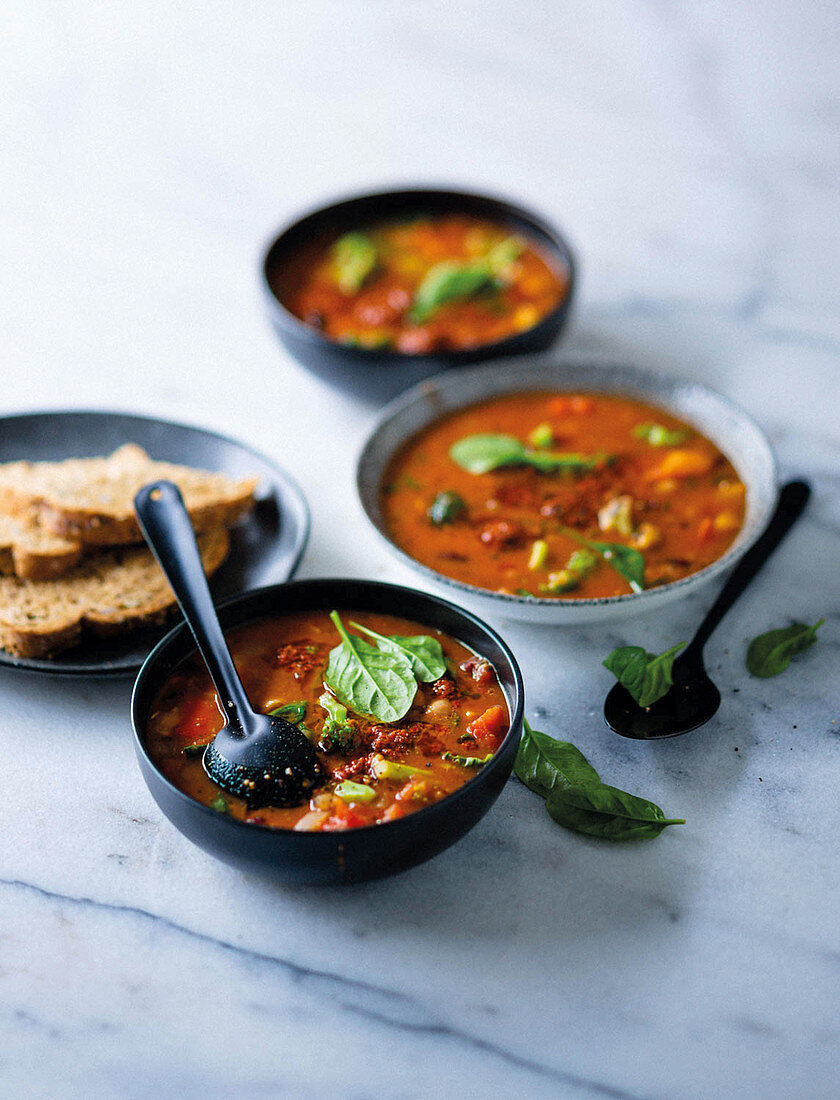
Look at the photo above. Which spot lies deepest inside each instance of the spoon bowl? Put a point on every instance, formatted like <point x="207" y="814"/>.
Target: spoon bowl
<point x="261" y="758"/>
<point x="692" y="698"/>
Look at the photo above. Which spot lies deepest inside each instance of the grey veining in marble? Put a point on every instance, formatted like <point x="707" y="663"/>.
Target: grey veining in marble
<point x="691" y="152"/>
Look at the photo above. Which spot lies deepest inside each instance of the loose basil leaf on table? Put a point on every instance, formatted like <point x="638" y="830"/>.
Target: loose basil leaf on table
<point x="575" y="796"/>
<point x="486" y="451"/>
<point x="424" y="653"/>
<point x="370" y="681"/>
<point x="608" y="813"/>
<point x="625" y="560"/>
<point x="771" y="653"/>
<point x="543" y="763"/>
<point x="355" y="257"/>
<point x="647" y="676"/>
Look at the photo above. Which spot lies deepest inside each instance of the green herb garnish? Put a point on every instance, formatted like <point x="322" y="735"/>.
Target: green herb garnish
<point x="424" y="653"/>
<point x="771" y="653"/>
<point x="220" y="804"/>
<point x="647" y="676"/>
<point x="446" y="508"/>
<point x="575" y="796"/>
<point x="378" y="683"/>
<point x="468" y="761"/>
<point x="660" y="436"/>
<point x="626" y="561"/>
<point x="355" y="258"/>
<point x="292" y="712"/>
<point x="479" y="454"/>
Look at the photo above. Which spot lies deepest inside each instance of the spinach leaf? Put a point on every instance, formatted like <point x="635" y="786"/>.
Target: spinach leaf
<point x="468" y="761"/>
<point x="370" y="681"/>
<point x="544" y="764"/>
<point x="354" y="257"/>
<point x="660" y="436"/>
<point x="292" y="712"/>
<point x="647" y="676"/>
<point x="608" y="813"/>
<point x="448" y="281"/>
<point x="771" y="653"/>
<point x="486" y="451"/>
<point x="626" y="561"/>
<point x="446" y="508"/>
<point x="424" y="653"/>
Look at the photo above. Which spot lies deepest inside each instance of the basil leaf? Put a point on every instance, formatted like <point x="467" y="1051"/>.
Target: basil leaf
<point x="448" y="281"/>
<point x="486" y="451"/>
<point x="370" y="681"/>
<point x="626" y="561"/>
<point x="608" y="813"/>
<point x="660" y="436"/>
<point x="446" y="508"/>
<point x="468" y="761"/>
<point x="545" y="764"/>
<point x="479" y="454"/>
<point x="771" y="653"/>
<point x="354" y="257"/>
<point x="292" y="712"/>
<point x="647" y="676"/>
<point x="424" y="653"/>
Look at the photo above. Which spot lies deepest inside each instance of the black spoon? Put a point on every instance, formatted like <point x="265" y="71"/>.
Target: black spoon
<point x="259" y="757"/>
<point x="693" y="698"/>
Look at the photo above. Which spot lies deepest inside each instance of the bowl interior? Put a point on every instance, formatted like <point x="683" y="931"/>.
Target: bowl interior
<point x="724" y="423"/>
<point x="354" y="212"/>
<point x="324" y="595"/>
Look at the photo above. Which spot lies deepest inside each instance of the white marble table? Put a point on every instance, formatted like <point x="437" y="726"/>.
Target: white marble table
<point x="691" y="151"/>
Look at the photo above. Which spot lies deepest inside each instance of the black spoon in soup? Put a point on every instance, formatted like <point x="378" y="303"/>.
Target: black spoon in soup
<point x="258" y="757"/>
<point x="693" y="699"/>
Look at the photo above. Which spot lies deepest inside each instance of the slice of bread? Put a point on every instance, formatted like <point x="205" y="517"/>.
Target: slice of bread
<point x="108" y="592"/>
<point x="91" y="499"/>
<point x="29" y="551"/>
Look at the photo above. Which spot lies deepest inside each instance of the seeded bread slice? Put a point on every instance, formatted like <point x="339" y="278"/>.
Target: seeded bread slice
<point x="110" y="591"/>
<point x="29" y="551"/>
<point x="90" y="500"/>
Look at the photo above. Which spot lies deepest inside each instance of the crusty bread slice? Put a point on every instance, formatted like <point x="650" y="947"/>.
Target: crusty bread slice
<point x="29" y="551"/>
<point x="91" y="499"/>
<point x="110" y="591"/>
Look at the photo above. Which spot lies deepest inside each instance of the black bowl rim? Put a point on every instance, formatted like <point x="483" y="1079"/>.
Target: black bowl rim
<point x="641" y="375"/>
<point x="516" y="707"/>
<point x="385" y="356"/>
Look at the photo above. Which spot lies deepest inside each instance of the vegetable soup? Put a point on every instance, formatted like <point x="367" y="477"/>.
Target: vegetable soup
<point x="568" y="495"/>
<point x="428" y="284"/>
<point x="401" y="715"/>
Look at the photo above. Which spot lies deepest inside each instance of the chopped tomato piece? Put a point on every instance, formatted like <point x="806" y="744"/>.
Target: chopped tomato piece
<point x="199" y="718"/>
<point x="580" y="404"/>
<point x="489" y="728"/>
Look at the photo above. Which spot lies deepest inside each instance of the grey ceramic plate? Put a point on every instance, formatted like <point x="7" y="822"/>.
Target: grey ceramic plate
<point x="265" y="548"/>
<point x="728" y="426"/>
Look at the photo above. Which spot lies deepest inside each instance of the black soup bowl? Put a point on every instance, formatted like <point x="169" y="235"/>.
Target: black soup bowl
<point x="353" y="855"/>
<point x="379" y="374"/>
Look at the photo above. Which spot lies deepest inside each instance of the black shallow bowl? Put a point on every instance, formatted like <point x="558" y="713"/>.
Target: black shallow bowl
<point x="357" y="854"/>
<point x="378" y="375"/>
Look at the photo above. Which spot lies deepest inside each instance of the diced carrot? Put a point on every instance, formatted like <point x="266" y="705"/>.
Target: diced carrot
<point x="706" y="529"/>
<point x="489" y="728"/>
<point x="682" y="463"/>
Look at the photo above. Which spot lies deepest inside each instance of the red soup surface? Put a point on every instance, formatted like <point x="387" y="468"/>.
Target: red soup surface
<point x="378" y="771"/>
<point x="422" y="285"/>
<point x="511" y="494"/>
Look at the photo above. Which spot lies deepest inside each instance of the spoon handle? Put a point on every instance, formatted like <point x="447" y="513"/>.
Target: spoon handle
<point x="167" y="528"/>
<point x="792" y="499"/>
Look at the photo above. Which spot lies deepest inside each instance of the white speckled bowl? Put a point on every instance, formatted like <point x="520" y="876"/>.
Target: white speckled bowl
<point x="729" y="427"/>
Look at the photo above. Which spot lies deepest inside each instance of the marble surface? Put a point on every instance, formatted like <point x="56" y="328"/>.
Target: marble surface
<point x="691" y="152"/>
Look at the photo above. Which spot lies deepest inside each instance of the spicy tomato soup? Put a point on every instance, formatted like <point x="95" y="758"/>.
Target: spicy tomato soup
<point x="562" y="495"/>
<point x="431" y="283"/>
<point x="456" y="715"/>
